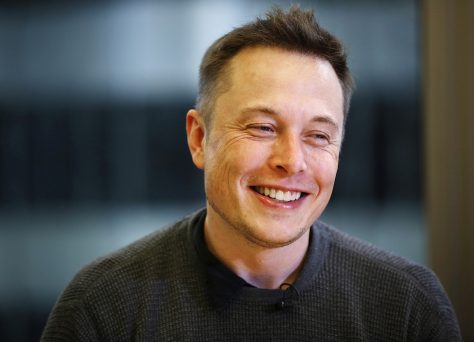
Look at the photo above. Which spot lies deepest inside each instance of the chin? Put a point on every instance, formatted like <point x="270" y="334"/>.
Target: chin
<point x="274" y="241"/>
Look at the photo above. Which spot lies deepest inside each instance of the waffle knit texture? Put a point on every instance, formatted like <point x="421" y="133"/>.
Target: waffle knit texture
<point x="168" y="287"/>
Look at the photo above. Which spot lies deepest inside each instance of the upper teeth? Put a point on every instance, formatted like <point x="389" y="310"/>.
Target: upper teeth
<point x="280" y="195"/>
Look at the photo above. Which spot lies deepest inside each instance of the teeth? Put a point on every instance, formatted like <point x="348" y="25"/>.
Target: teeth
<point x="272" y="193"/>
<point x="284" y="196"/>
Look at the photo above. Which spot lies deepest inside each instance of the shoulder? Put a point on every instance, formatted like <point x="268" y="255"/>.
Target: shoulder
<point x="361" y="261"/>
<point x="154" y="255"/>
<point x="378" y="276"/>
<point x="106" y="295"/>
<point x="369" y="257"/>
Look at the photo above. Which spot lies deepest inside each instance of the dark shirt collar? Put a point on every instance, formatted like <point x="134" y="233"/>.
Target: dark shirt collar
<point x="224" y="285"/>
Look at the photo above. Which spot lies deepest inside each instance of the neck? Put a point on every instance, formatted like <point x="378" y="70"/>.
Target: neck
<point x="262" y="267"/>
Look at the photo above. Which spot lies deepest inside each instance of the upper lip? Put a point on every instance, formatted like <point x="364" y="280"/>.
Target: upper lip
<point x="282" y="188"/>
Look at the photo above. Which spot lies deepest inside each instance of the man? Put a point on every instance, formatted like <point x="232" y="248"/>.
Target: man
<point x="256" y="264"/>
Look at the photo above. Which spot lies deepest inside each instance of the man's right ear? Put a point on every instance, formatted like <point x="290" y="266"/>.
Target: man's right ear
<point x="196" y="133"/>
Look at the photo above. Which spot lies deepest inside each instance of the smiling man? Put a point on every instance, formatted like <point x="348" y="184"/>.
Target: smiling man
<point x="256" y="264"/>
<point x="270" y="158"/>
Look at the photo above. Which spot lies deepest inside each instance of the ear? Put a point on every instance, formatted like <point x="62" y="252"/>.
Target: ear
<point x="196" y="133"/>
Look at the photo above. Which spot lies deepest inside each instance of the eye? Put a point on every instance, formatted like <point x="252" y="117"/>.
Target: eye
<point x="320" y="139"/>
<point x="265" y="128"/>
<point x="262" y="129"/>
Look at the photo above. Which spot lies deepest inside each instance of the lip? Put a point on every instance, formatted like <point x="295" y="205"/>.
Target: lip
<point x="282" y="188"/>
<point x="273" y="203"/>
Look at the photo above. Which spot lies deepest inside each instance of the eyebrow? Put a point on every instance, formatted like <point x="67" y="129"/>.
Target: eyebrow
<point x="326" y="119"/>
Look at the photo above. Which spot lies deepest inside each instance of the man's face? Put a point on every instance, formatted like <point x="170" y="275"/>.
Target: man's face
<point x="270" y="158"/>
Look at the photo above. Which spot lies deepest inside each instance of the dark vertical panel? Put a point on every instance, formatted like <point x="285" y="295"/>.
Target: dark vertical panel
<point x="15" y="157"/>
<point x="380" y="153"/>
<point x="173" y="176"/>
<point x="2" y="155"/>
<point x="50" y="156"/>
<point x="403" y="137"/>
<point x="88" y="164"/>
<point x="355" y="179"/>
<point x="128" y="154"/>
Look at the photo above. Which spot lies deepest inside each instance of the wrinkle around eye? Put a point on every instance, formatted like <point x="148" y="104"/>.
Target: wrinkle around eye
<point x="332" y="148"/>
<point x="231" y="137"/>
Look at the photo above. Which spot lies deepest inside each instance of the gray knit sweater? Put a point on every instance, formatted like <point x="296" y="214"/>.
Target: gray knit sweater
<point x="168" y="287"/>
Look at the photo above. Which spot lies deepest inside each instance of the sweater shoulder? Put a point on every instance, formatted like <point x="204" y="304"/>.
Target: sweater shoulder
<point x="417" y="286"/>
<point x="151" y="255"/>
<point x="372" y="259"/>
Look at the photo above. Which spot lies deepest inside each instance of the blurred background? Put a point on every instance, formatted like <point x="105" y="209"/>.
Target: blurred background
<point x="93" y="97"/>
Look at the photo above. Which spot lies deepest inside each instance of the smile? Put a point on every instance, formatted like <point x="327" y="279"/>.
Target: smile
<point x="280" y="195"/>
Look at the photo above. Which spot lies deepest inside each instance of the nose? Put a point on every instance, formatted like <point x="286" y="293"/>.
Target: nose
<point x="288" y="155"/>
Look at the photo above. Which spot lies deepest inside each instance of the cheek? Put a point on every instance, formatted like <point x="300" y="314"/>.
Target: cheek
<point x="222" y="170"/>
<point x="325" y="170"/>
<point x="244" y="155"/>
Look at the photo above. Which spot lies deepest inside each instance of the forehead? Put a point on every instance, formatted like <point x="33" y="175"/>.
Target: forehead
<point x="287" y="81"/>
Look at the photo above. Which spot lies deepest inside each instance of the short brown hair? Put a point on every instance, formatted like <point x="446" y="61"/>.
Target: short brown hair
<point x="295" y="30"/>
